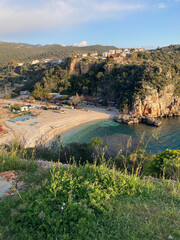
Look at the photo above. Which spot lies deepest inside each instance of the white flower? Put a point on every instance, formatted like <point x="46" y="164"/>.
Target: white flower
<point x="42" y="215"/>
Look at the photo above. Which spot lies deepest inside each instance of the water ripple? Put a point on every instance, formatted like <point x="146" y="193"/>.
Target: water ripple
<point x="166" y="136"/>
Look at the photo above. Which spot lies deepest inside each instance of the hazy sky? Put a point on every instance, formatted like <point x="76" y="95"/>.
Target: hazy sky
<point x="123" y="23"/>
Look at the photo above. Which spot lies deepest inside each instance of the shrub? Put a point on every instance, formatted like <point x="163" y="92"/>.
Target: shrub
<point x="80" y="152"/>
<point x="134" y="162"/>
<point x="41" y="152"/>
<point x="13" y="95"/>
<point x="166" y="164"/>
<point x="7" y="96"/>
<point x="16" y="106"/>
<point x="31" y="99"/>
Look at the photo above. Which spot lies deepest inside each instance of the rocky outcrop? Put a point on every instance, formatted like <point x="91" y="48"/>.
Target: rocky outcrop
<point x="151" y="121"/>
<point x="74" y="68"/>
<point x="157" y="104"/>
<point x="130" y="119"/>
<point x="80" y="66"/>
<point x="154" y="105"/>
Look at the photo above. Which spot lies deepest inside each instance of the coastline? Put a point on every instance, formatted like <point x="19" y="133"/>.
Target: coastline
<point x="73" y="129"/>
<point x="48" y="139"/>
<point x="49" y="124"/>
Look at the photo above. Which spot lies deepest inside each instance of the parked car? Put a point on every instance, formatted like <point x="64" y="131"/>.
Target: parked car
<point x="44" y="108"/>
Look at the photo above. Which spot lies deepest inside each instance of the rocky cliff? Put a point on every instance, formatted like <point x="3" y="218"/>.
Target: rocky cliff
<point x="150" y="90"/>
<point x="80" y="66"/>
<point x="153" y="105"/>
<point x="157" y="104"/>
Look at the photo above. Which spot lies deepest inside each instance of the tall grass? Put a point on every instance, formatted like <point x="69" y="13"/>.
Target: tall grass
<point x="92" y="202"/>
<point x="14" y="157"/>
<point x="102" y="200"/>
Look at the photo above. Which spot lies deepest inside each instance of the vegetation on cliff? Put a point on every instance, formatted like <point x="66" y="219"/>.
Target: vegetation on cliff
<point x="118" y="82"/>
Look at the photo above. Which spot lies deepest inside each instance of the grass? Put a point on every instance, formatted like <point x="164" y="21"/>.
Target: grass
<point x="14" y="158"/>
<point x="91" y="202"/>
<point x="14" y="163"/>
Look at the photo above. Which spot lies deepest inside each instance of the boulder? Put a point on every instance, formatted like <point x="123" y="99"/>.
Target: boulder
<point x="152" y="121"/>
<point x="127" y="119"/>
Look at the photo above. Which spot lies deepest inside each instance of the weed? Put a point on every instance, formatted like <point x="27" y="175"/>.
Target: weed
<point x="91" y="202"/>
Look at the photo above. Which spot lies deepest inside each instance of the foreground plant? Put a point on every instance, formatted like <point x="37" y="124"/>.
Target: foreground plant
<point x="91" y="202"/>
<point x="165" y="164"/>
<point x="14" y="157"/>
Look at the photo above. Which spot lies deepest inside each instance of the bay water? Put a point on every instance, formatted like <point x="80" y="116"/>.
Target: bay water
<point x="156" y="139"/>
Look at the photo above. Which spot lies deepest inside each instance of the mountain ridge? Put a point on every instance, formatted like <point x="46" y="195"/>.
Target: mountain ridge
<point x="25" y="52"/>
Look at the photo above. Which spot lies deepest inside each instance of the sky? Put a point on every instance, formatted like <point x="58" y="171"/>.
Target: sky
<point x="122" y="23"/>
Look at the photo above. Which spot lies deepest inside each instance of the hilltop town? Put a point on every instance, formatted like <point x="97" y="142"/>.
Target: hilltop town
<point x="117" y="54"/>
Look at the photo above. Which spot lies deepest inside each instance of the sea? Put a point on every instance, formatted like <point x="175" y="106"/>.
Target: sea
<point x="156" y="139"/>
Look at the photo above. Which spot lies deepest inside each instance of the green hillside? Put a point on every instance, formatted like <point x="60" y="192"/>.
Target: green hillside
<point x="25" y="52"/>
<point x="114" y="81"/>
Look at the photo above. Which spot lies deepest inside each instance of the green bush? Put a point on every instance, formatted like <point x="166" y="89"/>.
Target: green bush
<point x="80" y="152"/>
<point x="16" y="106"/>
<point x="7" y="96"/>
<point x="166" y="164"/>
<point x="132" y="163"/>
<point x="13" y="95"/>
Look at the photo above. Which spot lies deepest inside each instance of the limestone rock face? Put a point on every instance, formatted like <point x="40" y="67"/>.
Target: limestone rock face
<point x="78" y="67"/>
<point x="157" y="104"/>
<point x="74" y="67"/>
<point x="154" y="104"/>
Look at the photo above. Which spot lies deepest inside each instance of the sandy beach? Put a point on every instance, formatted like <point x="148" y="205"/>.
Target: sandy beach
<point x="51" y="123"/>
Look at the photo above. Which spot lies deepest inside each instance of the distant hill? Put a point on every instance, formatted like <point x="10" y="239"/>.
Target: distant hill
<point x="171" y="47"/>
<point x="26" y="52"/>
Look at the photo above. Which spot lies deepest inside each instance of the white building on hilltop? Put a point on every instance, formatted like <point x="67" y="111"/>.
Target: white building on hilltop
<point x="111" y="52"/>
<point x="34" y="61"/>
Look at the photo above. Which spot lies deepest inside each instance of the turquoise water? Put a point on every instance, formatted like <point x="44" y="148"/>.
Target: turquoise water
<point x="158" y="139"/>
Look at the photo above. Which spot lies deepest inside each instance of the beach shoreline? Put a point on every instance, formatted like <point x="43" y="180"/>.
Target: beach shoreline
<point x="49" y="124"/>
<point x="103" y="114"/>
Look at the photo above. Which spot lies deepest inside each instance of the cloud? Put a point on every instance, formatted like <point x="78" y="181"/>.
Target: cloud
<point x="26" y="16"/>
<point x="115" y="7"/>
<point x="161" y="5"/>
<point x="81" y="44"/>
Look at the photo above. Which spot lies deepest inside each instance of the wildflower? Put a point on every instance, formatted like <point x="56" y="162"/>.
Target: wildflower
<point x="41" y="215"/>
<point x="170" y="237"/>
<point x="64" y="204"/>
<point x="62" y="209"/>
<point x="133" y="158"/>
<point x="22" y="206"/>
<point x="14" y="213"/>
